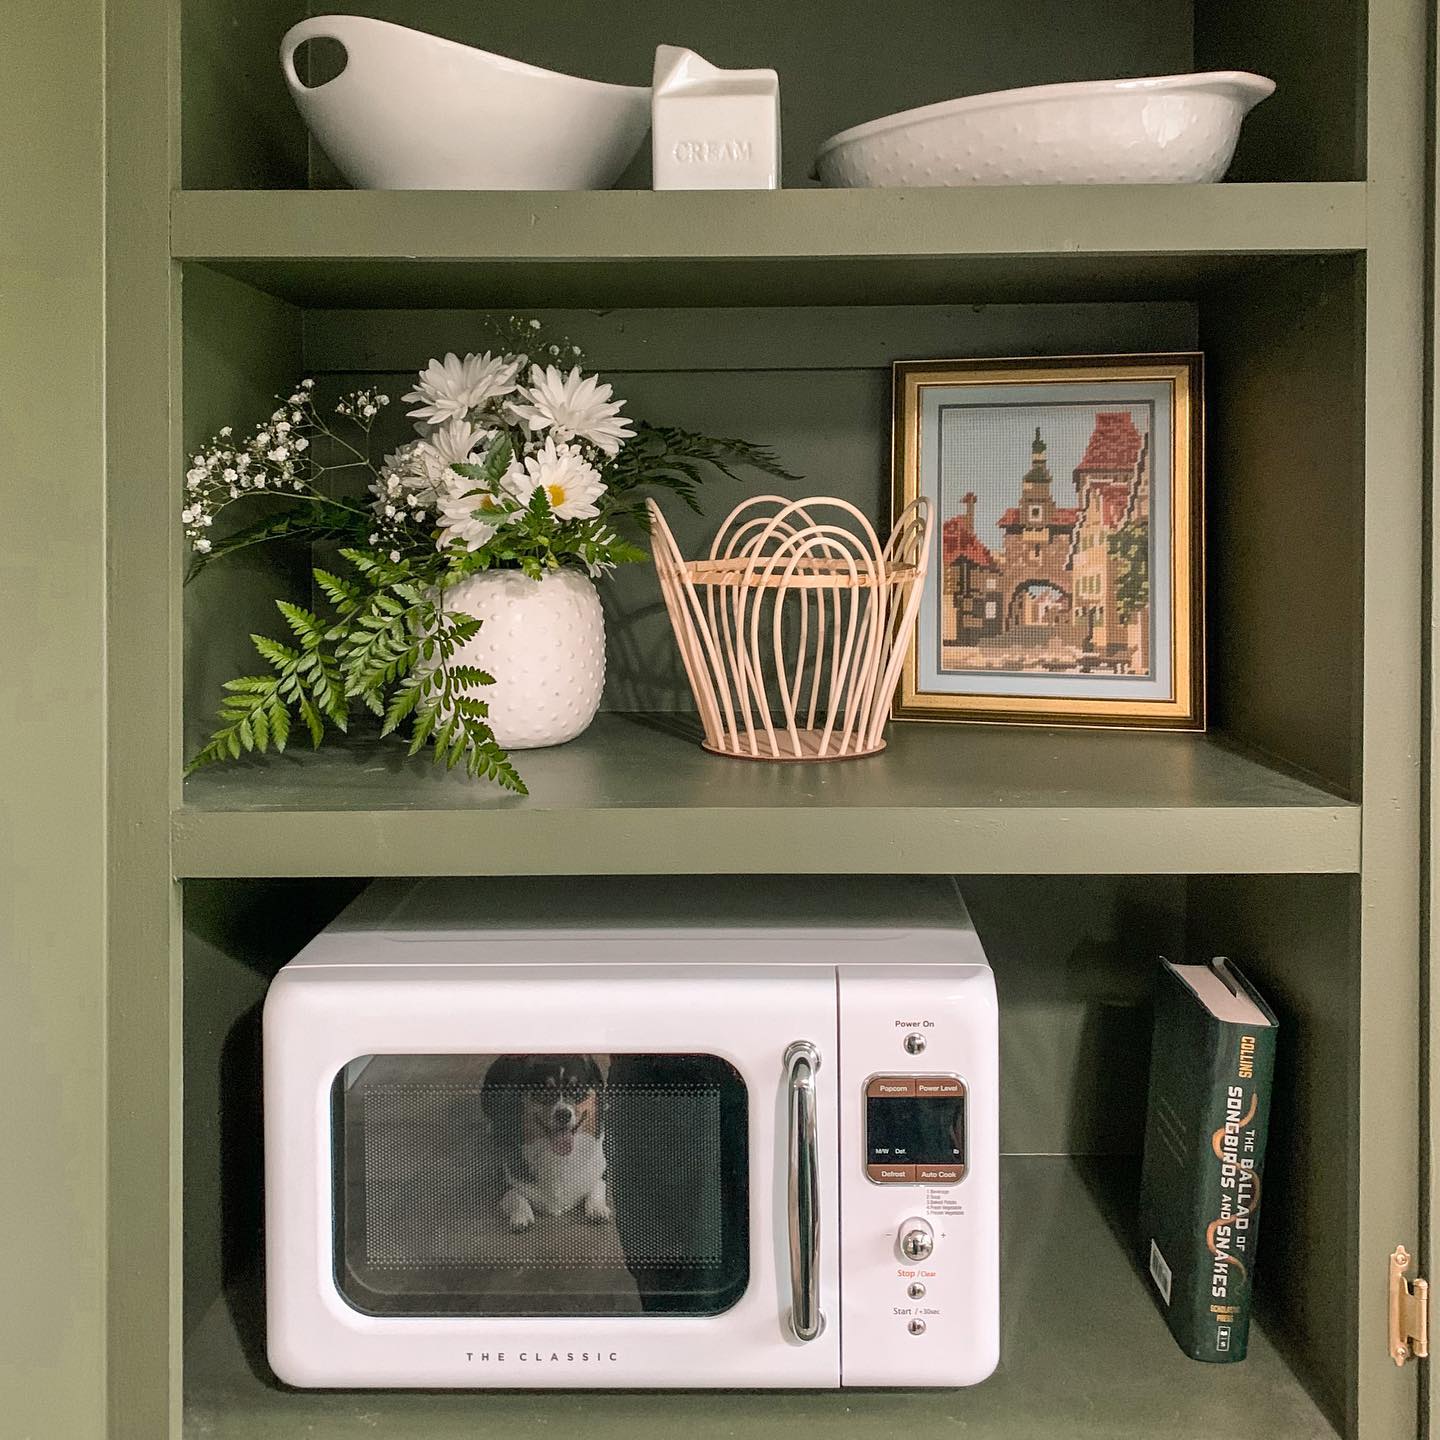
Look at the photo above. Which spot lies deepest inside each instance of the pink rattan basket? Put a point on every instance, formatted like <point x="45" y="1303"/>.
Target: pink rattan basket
<point x="794" y="628"/>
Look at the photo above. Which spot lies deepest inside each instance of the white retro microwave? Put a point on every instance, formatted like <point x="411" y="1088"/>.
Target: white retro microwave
<point x="680" y="1134"/>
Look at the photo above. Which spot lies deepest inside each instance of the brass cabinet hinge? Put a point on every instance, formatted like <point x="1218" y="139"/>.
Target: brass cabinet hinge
<point x="1409" y="1311"/>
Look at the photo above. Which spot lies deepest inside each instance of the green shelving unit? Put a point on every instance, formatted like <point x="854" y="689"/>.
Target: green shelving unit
<point x="636" y="794"/>
<point x="200" y="255"/>
<point x="788" y="247"/>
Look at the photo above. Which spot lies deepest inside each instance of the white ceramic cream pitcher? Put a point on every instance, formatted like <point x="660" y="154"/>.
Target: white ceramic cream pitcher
<point x="713" y="129"/>
<point x="412" y="111"/>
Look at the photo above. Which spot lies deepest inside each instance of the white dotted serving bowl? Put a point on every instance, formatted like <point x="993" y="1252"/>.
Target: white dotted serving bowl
<point x="412" y="111"/>
<point x="1170" y="129"/>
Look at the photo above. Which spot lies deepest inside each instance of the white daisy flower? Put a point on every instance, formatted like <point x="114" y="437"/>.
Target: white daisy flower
<point x="458" y="522"/>
<point x="570" y="482"/>
<point x="466" y="516"/>
<point x="571" y="407"/>
<point x="451" y="388"/>
<point x="463" y="511"/>
<point x="420" y="471"/>
<point x="458" y="440"/>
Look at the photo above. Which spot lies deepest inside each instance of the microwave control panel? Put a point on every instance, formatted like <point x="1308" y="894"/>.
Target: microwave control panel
<point x="915" y="1129"/>
<point x="919" y="1192"/>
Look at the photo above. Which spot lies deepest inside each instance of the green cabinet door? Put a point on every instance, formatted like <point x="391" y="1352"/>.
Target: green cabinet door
<point x="52" y="716"/>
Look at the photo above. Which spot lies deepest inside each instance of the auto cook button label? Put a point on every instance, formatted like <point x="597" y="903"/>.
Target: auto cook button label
<point x="890" y="1087"/>
<point x="938" y="1174"/>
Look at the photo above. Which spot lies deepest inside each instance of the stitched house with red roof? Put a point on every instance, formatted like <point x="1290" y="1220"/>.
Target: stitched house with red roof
<point x="1112" y="488"/>
<point x="970" y="580"/>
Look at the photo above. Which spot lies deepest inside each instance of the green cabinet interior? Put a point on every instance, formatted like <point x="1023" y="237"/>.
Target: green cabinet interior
<point x="814" y="382"/>
<point x="1083" y="1347"/>
<point x="778" y="322"/>
<point x="838" y="64"/>
<point x="1270" y="787"/>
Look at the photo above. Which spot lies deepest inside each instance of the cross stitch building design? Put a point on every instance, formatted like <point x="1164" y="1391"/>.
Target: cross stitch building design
<point x="1059" y="588"/>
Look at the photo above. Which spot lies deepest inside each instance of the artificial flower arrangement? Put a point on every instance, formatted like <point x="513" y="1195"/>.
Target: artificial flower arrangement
<point x="517" y="464"/>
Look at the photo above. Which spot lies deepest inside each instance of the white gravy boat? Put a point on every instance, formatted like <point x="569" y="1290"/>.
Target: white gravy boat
<point x="412" y="111"/>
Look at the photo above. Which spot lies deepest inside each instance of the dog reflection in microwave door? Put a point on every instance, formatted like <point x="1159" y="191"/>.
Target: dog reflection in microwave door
<point x="546" y="1114"/>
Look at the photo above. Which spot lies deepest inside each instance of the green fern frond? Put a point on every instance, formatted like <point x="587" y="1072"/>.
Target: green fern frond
<point x="255" y="711"/>
<point x="663" y="457"/>
<point x="306" y="626"/>
<point x="345" y="595"/>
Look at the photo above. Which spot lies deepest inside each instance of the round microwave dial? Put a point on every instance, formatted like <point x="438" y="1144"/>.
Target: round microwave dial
<point x="917" y="1239"/>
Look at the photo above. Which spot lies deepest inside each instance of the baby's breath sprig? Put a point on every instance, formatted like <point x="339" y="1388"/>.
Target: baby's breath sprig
<point x="277" y="460"/>
<point x="532" y="342"/>
<point x="362" y="406"/>
<point x="403" y="513"/>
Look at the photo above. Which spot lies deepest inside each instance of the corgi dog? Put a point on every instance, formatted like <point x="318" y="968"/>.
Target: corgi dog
<point x="548" y="1130"/>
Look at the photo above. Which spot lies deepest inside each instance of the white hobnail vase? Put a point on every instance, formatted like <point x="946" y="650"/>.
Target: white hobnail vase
<point x="544" y="642"/>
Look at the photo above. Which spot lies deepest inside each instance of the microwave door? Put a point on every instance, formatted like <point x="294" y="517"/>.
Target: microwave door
<point x="634" y="1163"/>
<point x="539" y="1185"/>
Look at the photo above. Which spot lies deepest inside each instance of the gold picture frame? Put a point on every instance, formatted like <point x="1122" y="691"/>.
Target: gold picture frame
<point x="1085" y="613"/>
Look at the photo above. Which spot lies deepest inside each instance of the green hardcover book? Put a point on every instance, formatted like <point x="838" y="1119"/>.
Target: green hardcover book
<point x="1211" y="1064"/>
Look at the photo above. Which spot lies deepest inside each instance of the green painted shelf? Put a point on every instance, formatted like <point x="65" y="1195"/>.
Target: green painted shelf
<point x="1084" y="1355"/>
<point x="637" y="795"/>
<point x="633" y="247"/>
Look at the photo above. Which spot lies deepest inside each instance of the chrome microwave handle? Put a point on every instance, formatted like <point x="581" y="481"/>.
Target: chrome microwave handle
<point x="802" y="1060"/>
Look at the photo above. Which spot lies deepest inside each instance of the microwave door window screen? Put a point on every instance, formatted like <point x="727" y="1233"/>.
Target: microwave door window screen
<point x="548" y="1185"/>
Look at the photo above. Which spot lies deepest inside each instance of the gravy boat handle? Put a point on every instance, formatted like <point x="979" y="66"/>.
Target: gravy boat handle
<point x="355" y="33"/>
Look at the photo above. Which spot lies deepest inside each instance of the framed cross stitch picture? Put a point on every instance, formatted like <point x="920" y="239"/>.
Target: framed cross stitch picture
<point x="1067" y="583"/>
